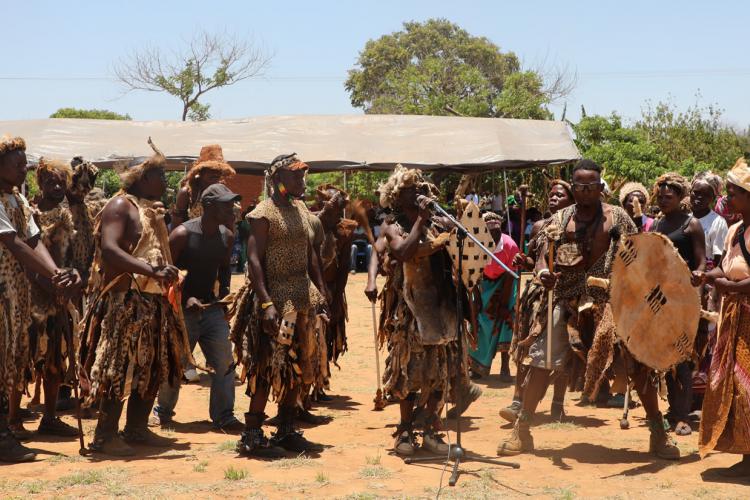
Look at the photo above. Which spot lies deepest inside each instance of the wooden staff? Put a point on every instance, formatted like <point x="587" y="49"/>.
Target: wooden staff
<point x="550" y="295"/>
<point x="160" y="228"/>
<point x="379" y="401"/>
<point x="521" y="238"/>
<point x="624" y="423"/>
<point x="68" y="334"/>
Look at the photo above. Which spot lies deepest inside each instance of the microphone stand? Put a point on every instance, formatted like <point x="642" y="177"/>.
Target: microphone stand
<point x="456" y="453"/>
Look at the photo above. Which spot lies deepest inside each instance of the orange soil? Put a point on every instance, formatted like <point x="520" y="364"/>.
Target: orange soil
<point x="587" y="457"/>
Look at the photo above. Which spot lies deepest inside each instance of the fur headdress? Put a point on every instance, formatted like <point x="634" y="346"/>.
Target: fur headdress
<point x="211" y="158"/>
<point x="50" y="167"/>
<point x="632" y="187"/>
<point x="130" y="176"/>
<point x="402" y="178"/>
<point x="8" y="144"/>
<point x="84" y="176"/>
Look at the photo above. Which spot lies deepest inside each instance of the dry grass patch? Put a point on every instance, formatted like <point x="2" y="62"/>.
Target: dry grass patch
<point x="232" y="474"/>
<point x="293" y="463"/>
<point x="374" y="472"/>
<point x="227" y="447"/>
<point x="560" y="426"/>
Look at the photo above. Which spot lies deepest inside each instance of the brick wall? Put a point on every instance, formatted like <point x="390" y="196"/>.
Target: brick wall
<point x="250" y="187"/>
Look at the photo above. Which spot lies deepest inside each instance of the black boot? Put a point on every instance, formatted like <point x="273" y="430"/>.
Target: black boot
<point x="136" y="424"/>
<point x="253" y="442"/>
<point x="288" y="437"/>
<point x="106" y="438"/>
<point x="10" y="449"/>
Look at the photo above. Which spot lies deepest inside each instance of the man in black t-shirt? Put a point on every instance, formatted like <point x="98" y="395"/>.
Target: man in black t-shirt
<point x="203" y="247"/>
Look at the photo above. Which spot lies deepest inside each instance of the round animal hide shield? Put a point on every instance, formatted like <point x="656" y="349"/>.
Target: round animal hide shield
<point x="655" y="308"/>
<point x="474" y="259"/>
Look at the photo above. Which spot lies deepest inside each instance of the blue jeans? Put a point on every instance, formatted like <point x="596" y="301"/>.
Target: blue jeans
<point x="353" y="257"/>
<point x="210" y="329"/>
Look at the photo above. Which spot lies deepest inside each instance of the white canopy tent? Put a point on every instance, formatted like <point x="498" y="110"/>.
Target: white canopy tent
<point x="325" y="142"/>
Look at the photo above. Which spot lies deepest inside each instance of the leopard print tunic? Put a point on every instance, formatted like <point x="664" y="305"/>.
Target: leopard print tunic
<point x="49" y="348"/>
<point x="263" y="359"/>
<point x="82" y="244"/>
<point x="15" y="303"/>
<point x="572" y="291"/>
<point x="285" y="261"/>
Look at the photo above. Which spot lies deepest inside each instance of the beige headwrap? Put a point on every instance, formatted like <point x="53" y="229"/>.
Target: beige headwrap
<point x="740" y="174"/>
<point x="632" y="187"/>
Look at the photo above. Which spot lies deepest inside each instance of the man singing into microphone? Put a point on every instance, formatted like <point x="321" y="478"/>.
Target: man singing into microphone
<point x="419" y="311"/>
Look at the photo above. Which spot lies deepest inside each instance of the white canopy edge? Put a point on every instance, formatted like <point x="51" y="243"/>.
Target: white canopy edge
<point x="326" y="142"/>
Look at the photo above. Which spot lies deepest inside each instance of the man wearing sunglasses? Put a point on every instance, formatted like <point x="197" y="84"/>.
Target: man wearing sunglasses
<point x="585" y="238"/>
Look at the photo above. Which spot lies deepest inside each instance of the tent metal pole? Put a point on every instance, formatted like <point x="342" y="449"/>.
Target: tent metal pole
<point x="505" y="195"/>
<point x="505" y="201"/>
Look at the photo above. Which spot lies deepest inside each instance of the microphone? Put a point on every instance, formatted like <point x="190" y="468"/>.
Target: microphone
<point x="421" y="198"/>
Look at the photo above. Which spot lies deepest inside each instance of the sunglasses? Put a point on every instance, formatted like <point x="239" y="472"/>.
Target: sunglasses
<point x="583" y="188"/>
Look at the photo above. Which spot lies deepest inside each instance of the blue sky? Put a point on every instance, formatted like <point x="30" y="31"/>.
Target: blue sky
<point x="625" y="53"/>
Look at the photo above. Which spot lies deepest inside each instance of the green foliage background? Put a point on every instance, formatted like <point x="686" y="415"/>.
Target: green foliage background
<point x="92" y="114"/>
<point x="438" y="68"/>
<point x="664" y="139"/>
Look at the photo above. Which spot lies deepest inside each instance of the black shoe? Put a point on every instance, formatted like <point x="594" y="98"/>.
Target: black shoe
<point x="146" y="437"/>
<point x="12" y="451"/>
<point x="56" y="427"/>
<point x="322" y="397"/>
<point x="557" y="411"/>
<point x="231" y="426"/>
<point x="293" y="440"/>
<point x="65" y="404"/>
<point x="20" y="432"/>
<point x="254" y="443"/>
<point x="312" y="419"/>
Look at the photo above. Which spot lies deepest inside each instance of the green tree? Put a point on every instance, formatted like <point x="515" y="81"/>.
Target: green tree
<point x="664" y="139"/>
<point x="109" y="181"/>
<point x="438" y="68"/>
<point x="32" y="188"/>
<point x="91" y="114"/>
<point x="624" y="152"/>
<point x="693" y="140"/>
<point x="359" y="185"/>
<point x="209" y="62"/>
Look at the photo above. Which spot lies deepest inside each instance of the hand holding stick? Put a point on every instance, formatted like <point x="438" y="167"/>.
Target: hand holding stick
<point x="550" y="296"/>
<point x="379" y="400"/>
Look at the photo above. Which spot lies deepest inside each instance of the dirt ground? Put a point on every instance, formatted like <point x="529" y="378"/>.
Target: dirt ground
<point x="588" y="456"/>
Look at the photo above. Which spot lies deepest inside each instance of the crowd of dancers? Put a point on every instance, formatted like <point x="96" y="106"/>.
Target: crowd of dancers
<point x="103" y="302"/>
